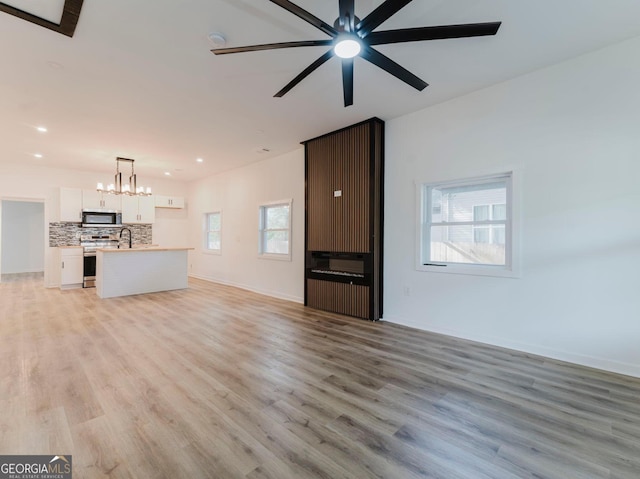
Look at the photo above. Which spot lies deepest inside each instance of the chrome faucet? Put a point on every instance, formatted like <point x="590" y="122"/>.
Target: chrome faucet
<point x="130" y="235"/>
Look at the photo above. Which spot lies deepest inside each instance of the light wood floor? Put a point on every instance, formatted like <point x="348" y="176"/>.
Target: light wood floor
<point x="215" y="382"/>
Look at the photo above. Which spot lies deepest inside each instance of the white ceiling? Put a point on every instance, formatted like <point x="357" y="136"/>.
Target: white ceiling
<point x="138" y="80"/>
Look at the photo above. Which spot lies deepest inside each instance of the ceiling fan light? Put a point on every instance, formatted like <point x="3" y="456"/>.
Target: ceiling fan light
<point x="347" y="46"/>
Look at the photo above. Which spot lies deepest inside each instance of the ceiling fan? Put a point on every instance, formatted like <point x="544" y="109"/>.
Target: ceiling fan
<point x="352" y="37"/>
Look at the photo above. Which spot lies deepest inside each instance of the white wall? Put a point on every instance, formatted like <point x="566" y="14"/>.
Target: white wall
<point x="20" y="182"/>
<point x="238" y="193"/>
<point x="171" y="227"/>
<point x="573" y="131"/>
<point x="22" y="237"/>
<point x="571" y="128"/>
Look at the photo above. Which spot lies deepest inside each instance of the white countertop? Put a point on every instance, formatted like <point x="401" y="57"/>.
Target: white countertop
<point x="138" y="249"/>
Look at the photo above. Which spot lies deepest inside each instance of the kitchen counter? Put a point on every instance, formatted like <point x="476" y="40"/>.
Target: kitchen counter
<point x="139" y="270"/>
<point x="137" y="249"/>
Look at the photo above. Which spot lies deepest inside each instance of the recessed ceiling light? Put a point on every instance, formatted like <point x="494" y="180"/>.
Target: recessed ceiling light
<point x="167" y="173"/>
<point x="42" y="129"/>
<point x="199" y="160"/>
<point x="37" y="155"/>
<point x="217" y="39"/>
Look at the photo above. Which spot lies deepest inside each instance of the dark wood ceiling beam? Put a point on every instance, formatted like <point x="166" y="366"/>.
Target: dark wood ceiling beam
<point x="68" y="22"/>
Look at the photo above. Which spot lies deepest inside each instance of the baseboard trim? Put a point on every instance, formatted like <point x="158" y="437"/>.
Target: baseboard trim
<point x="273" y="294"/>
<point x="594" y="362"/>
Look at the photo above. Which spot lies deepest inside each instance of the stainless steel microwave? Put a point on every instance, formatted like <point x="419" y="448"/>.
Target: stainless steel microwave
<point x="101" y="219"/>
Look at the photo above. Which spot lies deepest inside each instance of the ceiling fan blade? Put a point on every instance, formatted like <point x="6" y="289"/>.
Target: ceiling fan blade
<point x="306" y="72"/>
<point x="347" y="15"/>
<point x="433" y="33"/>
<point x="347" y="81"/>
<point x="379" y="15"/>
<point x="271" y="46"/>
<point x="388" y="65"/>
<point x="307" y="17"/>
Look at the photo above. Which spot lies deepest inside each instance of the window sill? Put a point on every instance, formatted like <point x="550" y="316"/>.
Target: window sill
<point x="471" y="270"/>
<point x="212" y="252"/>
<point x="275" y="256"/>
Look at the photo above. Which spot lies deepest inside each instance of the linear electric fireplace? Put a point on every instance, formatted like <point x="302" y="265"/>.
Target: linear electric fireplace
<point x="339" y="282"/>
<point x="344" y="173"/>
<point x="353" y="268"/>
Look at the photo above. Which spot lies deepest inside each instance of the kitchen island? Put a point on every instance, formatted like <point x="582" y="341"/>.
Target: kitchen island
<point x="123" y="272"/>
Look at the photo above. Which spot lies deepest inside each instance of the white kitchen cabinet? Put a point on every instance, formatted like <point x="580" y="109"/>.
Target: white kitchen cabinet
<point x="91" y="200"/>
<point x="111" y="202"/>
<point x="130" y="209"/>
<point x="95" y="200"/>
<point x="71" y="204"/>
<point x="138" y="209"/>
<point x="169" y="201"/>
<point x="71" y="267"/>
<point x="147" y="209"/>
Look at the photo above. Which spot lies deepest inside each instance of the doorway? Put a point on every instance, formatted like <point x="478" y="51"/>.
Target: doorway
<point x="22" y="236"/>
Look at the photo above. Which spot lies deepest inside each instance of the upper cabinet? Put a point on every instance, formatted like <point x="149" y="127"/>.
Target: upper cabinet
<point x="169" y="201"/>
<point x="135" y="209"/>
<point x="71" y="204"/>
<point x="94" y="200"/>
<point x="138" y="209"/>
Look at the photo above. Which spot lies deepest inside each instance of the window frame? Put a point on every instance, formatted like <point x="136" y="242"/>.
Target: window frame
<point x="206" y="230"/>
<point x="511" y="269"/>
<point x="262" y="208"/>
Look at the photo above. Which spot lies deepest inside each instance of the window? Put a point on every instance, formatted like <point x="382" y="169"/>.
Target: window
<point x="275" y="230"/>
<point x="467" y="226"/>
<point x="213" y="232"/>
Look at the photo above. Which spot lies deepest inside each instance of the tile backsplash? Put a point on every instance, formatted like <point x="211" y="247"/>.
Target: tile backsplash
<point x="68" y="234"/>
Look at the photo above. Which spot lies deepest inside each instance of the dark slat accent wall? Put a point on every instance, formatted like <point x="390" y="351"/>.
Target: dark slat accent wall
<point x="344" y="298"/>
<point x="339" y="162"/>
<point x="345" y="227"/>
<point x="377" y="201"/>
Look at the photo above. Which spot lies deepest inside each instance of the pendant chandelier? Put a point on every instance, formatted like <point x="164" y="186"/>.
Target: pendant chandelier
<point x="118" y="188"/>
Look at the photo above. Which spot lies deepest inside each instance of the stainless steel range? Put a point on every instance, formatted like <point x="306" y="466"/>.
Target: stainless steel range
<point x="90" y="243"/>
